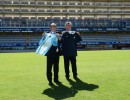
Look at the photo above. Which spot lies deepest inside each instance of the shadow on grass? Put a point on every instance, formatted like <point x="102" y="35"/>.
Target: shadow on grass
<point x="80" y="85"/>
<point x="61" y="91"/>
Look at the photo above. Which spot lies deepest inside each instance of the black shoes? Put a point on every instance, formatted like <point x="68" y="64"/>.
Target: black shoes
<point x="50" y="83"/>
<point x="67" y="78"/>
<point x="57" y="81"/>
<point x="75" y="77"/>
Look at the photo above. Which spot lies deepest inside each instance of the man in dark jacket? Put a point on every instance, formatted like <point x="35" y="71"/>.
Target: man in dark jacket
<point x="69" y="49"/>
<point x="52" y="53"/>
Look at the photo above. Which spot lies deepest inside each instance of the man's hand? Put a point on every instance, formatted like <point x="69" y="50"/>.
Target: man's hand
<point x="58" y="36"/>
<point x="43" y="34"/>
<point x="78" y="33"/>
<point x="63" y="32"/>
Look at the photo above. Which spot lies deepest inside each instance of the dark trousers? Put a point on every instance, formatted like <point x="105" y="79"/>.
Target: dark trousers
<point x="67" y="60"/>
<point x="52" y="61"/>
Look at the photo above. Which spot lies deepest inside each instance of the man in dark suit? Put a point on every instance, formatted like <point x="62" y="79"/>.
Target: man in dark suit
<point x="69" y="49"/>
<point x="53" y="56"/>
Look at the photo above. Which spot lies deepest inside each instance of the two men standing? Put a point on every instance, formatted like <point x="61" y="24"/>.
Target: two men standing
<point x="51" y="49"/>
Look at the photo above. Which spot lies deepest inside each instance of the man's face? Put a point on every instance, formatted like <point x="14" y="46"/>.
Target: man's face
<point x="68" y="27"/>
<point x="53" y="28"/>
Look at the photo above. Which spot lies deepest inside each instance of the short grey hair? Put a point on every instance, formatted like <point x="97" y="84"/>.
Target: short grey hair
<point x="53" y="24"/>
<point x="68" y="23"/>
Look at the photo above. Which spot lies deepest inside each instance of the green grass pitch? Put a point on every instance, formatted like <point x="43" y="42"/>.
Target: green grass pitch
<point x="104" y="75"/>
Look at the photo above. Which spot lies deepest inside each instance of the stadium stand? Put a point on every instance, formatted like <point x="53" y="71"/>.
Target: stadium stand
<point x="100" y="22"/>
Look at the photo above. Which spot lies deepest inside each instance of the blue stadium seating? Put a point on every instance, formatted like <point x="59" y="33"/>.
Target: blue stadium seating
<point x="76" y="22"/>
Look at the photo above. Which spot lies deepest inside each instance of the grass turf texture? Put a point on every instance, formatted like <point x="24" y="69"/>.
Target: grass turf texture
<point x="104" y="75"/>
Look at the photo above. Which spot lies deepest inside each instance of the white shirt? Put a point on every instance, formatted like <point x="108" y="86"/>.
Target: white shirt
<point x="71" y="32"/>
